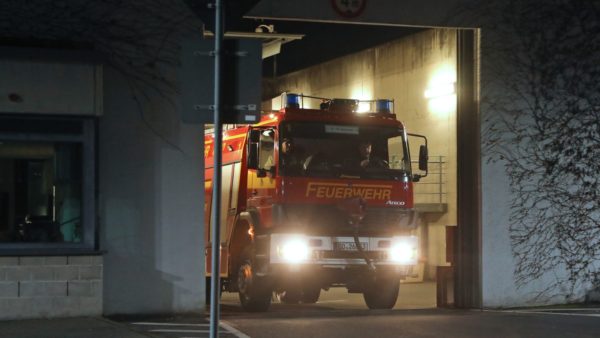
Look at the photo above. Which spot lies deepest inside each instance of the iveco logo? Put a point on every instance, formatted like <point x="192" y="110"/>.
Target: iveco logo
<point x="400" y="203"/>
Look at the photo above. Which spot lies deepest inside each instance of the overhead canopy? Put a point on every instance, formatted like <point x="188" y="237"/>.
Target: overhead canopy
<point x="417" y="13"/>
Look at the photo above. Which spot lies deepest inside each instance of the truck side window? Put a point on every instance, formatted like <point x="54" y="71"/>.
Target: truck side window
<point x="266" y="150"/>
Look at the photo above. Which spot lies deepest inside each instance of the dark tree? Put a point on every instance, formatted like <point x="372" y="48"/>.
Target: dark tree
<point x="545" y="127"/>
<point x="139" y="39"/>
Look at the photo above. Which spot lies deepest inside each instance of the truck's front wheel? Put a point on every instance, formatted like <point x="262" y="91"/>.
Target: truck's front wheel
<point x="254" y="291"/>
<point x="382" y="292"/>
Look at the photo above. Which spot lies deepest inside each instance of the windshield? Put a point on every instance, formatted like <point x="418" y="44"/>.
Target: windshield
<point x="350" y="151"/>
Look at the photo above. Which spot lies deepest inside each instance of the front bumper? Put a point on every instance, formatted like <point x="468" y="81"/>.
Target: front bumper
<point x="340" y="252"/>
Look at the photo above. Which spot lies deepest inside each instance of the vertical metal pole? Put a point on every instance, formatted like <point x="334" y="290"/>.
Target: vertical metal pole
<point x="441" y="179"/>
<point x="216" y="198"/>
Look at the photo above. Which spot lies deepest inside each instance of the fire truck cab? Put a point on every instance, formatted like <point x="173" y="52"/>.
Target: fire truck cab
<point x="315" y="198"/>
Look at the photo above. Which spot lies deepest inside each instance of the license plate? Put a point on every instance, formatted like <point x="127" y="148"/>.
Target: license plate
<point x="350" y="246"/>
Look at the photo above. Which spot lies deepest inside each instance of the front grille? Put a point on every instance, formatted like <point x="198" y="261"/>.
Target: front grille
<point x="349" y="255"/>
<point x="382" y="218"/>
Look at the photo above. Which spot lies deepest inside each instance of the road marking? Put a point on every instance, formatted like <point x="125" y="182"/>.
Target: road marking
<point x="587" y="309"/>
<point x="180" y="328"/>
<point x="559" y="313"/>
<point x="551" y="312"/>
<point x="233" y="330"/>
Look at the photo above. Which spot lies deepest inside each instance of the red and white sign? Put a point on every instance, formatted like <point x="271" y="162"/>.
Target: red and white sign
<point x="349" y="8"/>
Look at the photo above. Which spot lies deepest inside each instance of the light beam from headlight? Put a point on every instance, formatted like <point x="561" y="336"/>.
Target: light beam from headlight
<point x="403" y="252"/>
<point x="294" y="250"/>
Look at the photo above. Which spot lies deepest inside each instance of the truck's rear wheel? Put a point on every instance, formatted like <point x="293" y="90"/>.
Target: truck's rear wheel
<point x="382" y="292"/>
<point x="254" y="291"/>
<point x="310" y="294"/>
<point x="292" y="296"/>
<point x="307" y="294"/>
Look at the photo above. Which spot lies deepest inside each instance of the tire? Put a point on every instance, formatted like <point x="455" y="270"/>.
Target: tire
<point x="254" y="291"/>
<point x="382" y="293"/>
<point x="289" y="296"/>
<point x="311" y="294"/>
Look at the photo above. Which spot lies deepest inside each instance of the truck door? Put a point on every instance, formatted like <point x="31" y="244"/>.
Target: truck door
<point x="261" y="174"/>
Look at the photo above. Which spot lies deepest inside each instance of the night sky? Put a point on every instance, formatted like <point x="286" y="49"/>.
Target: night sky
<point x="322" y="42"/>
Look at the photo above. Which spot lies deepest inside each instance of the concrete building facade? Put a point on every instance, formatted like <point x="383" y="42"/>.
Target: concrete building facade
<point x="531" y="205"/>
<point x="101" y="198"/>
<point x="111" y="220"/>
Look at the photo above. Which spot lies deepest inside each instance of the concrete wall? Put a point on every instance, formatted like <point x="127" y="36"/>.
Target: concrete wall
<point x="403" y="70"/>
<point x="151" y="183"/>
<point x="50" y="286"/>
<point x="150" y="164"/>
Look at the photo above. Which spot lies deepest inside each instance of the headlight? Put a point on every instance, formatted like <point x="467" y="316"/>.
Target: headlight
<point x="403" y="251"/>
<point x="294" y="250"/>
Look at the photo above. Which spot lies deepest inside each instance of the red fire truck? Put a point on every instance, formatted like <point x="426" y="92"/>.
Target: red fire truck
<point x="305" y="206"/>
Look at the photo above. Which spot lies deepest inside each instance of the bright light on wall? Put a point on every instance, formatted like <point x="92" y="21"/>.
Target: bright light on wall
<point x="441" y="91"/>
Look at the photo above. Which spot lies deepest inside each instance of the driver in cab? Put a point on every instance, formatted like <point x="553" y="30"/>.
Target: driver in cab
<point x="366" y="159"/>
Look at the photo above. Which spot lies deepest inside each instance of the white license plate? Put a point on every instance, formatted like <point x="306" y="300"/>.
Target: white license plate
<point x="349" y="246"/>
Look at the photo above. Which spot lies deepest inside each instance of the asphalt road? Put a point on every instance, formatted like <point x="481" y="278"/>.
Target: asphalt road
<point x="339" y="314"/>
<point x="413" y="323"/>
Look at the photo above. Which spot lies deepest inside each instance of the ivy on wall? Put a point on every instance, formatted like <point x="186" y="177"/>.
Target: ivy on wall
<point x="543" y="123"/>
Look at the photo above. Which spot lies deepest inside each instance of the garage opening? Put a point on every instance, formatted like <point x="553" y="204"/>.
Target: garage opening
<point x="430" y="75"/>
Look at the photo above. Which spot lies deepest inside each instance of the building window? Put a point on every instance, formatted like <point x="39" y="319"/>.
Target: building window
<point x="47" y="185"/>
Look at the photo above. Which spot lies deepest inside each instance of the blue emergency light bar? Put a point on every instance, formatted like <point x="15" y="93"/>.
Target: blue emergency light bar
<point x="292" y="100"/>
<point x="383" y="106"/>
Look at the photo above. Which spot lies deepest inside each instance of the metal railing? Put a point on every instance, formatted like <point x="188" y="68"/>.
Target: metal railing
<point x="432" y="189"/>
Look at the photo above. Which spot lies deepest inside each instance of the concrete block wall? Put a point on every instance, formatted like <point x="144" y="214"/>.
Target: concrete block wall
<point x="50" y="286"/>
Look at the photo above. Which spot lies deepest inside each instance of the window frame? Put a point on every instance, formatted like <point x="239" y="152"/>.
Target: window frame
<point x="87" y="139"/>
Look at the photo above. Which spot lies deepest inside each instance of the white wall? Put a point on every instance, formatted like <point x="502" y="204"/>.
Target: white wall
<point x="151" y="184"/>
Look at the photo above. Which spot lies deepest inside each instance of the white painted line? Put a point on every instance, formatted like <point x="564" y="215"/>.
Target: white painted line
<point x="560" y="313"/>
<point x="546" y="313"/>
<point x="179" y="331"/>
<point x="233" y="330"/>
<point x="567" y="310"/>
<point x="169" y="324"/>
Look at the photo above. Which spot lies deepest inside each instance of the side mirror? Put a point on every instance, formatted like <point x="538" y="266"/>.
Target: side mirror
<point x="423" y="158"/>
<point x="253" y="141"/>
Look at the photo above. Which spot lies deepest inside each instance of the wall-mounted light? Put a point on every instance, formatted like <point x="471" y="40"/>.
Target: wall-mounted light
<point x="440" y="89"/>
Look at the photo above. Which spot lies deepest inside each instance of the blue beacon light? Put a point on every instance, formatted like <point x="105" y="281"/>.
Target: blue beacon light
<point x="292" y="101"/>
<point x="384" y="106"/>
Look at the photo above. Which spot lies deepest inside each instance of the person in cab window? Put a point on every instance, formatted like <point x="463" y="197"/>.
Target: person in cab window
<point x="290" y="158"/>
<point x="366" y="159"/>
